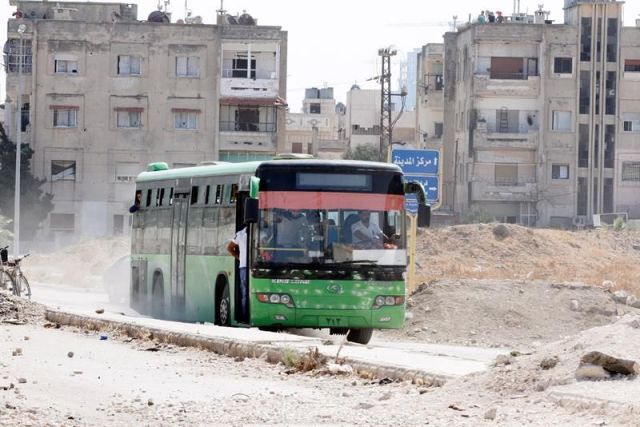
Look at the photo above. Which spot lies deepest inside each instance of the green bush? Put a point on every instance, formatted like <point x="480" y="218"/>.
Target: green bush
<point x="475" y="216"/>
<point x="618" y="224"/>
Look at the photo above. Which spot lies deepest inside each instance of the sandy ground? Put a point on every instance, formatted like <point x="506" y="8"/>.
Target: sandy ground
<point x="115" y="382"/>
<point x="519" y="314"/>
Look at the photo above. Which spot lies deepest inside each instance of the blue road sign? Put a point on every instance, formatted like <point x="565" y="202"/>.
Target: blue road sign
<point x="417" y="162"/>
<point x="422" y="166"/>
<point x="431" y="186"/>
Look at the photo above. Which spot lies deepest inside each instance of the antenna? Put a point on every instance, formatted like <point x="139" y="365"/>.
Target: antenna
<point x="221" y="11"/>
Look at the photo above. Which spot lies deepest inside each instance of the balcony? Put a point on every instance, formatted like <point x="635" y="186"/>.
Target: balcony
<point x="509" y="192"/>
<point x="262" y="84"/>
<point x="517" y="86"/>
<point x="520" y="137"/>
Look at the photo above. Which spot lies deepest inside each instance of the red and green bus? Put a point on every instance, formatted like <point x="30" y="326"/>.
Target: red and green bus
<point x="319" y="278"/>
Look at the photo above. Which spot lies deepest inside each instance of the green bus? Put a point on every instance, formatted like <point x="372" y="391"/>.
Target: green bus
<point x="313" y="275"/>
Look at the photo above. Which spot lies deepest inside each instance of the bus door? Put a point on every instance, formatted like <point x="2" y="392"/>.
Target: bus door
<point x="239" y="198"/>
<point x="178" y="249"/>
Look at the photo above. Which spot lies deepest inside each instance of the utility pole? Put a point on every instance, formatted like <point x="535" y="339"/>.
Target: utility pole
<point x="16" y="200"/>
<point x="385" y="101"/>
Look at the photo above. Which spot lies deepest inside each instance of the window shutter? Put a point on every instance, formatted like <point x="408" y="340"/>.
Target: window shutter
<point x="181" y="66"/>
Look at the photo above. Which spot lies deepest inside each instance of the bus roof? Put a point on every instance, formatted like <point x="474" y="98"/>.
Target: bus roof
<point x="251" y="167"/>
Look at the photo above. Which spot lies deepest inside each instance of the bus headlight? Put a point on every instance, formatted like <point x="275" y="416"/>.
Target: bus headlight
<point x="387" y="300"/>
<point x="269" y="298"/>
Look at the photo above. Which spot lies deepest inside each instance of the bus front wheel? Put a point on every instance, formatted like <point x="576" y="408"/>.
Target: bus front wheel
<point x="360" y="336"/>
<point x="157" y="297"/>
<point x="224" y="307"/>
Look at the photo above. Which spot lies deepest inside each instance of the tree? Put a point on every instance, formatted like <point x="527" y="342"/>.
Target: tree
<point x="363" y="152"/>
<point x="35" y="204"/>
<point x="6" y="236"/>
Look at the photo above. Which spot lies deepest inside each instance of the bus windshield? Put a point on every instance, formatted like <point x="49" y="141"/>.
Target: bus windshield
<point x="330" y="236"/>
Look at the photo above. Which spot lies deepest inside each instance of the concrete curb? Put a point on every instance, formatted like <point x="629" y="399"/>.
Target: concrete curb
<point x="234" y="348"/>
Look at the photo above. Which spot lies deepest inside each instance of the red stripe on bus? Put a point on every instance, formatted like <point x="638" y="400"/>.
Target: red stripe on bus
<point x="325" y="200"/>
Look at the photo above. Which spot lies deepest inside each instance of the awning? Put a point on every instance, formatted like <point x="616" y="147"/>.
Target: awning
<point x="272" y="102"/>
<point x="63" y="107"/>
<point x="185" y="110"/>
<point x="130" y="109"/>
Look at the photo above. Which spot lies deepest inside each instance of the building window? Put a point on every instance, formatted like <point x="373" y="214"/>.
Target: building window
<point x="314" y="108"/>
<point x="63" y="170"/>
<point x="631" y="171"/>
<point x="128" y="118"/>
<point x="440" y="81"/>
<point x="631" y="122"/>
<point x="65" y="117"/>
<point x="612" y="39"/>
<point x="563" y="65"/>
<point x="16" y="55"/>
<point x="65" y="66"/>
<point x="240" y="68"/>
<point x="632" y="65"/>
<point x="126" y="171"/>
<point x="561" y="121"/>
<point x="185" y="119"/>
<point x="296" y="147"/>
<point x="128" y="65"/>
<point x="585" y="39"/>
<point x="560" y="171"/>
<point x="506" y="174"/>
<point x="438" y="130"/>
<point x="513" y="68"/>
<point x="187" y="66"/>
<point x="62" y="221"/>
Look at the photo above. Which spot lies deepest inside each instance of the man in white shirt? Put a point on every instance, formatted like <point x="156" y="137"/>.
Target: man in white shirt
<point x="237" y="247"/>
<point x="366" y="233"/>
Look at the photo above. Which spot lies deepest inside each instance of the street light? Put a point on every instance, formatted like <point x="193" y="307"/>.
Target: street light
<point x="16" y="202"/>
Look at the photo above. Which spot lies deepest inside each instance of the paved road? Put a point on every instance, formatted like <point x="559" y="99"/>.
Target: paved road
<point x="442" y="360"/>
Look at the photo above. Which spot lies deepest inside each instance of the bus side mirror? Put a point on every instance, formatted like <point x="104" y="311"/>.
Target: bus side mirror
<point x="251" y="207"/>
<point x="424" y="215"/>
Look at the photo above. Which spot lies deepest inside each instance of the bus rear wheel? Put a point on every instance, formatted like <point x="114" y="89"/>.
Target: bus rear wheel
<point x="360" y="336"/>
<point x="224" y="307"/>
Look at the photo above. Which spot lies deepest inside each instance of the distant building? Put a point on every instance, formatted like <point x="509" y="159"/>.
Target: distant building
<point x="409" y="78"/>
<point x="320" y="128"/>
<point x="363" y="120"/>
<point x="542" y="121"/>
<point x="104" y="94"/>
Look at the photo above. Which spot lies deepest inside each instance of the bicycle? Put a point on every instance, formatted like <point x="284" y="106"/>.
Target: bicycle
<point x="20" y="282"/>
<point x="6" y="280"/>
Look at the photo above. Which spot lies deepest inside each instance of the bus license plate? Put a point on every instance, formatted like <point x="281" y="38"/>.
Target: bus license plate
<point x="335" y="321"/>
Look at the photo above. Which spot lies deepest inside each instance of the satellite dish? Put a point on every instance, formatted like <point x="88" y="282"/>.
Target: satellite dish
<point x="246" y="19"/>
<point x="159" y="17"/>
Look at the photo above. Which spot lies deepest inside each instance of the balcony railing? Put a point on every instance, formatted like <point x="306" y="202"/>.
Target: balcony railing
<point x="230" y="73"/>
<point x="511" y="128"/>
<point x="234" y="126"/>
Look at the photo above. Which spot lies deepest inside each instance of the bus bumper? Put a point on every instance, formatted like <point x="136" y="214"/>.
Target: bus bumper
<point x="280" y="315"/>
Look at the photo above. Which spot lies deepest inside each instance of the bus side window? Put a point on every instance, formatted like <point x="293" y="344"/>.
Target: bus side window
<point x="158" y="199"/>
<point x="233" y="197"/>
<point x="206" y="195"/>
<point x="148" y="197"/>
<point x="171" y="197"/>
<point x="219" y="194"/>
<point x="161" y="197"/>
<point x="194" y="194"/>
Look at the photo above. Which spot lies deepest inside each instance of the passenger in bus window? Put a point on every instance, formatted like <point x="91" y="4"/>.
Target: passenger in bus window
<point x="291" y="229"/>
<point x="237" y="247"/>
<point x="136" y="205"/>
<point x="367" y="234"/>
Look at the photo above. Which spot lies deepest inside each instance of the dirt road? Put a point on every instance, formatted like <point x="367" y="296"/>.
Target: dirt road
<point x="67" y="377"/>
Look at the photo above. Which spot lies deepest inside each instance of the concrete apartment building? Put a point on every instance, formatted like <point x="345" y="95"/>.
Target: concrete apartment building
<point x="430" y="96"/>
<point x="103" y="94"/>
<point x="543" y="120"/>
<point x="320" y="128"/>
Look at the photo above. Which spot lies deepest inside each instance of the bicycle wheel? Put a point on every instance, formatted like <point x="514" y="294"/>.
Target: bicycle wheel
<point x="6" y="281"/>
<point x="22" y="284"/>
